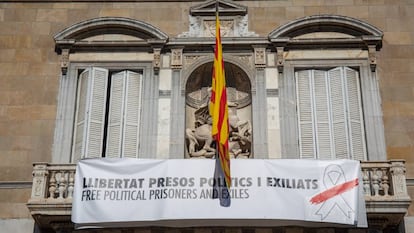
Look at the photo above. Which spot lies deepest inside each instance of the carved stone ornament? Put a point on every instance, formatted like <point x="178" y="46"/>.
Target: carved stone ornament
<point x="260" y="57"/>
<point x="230" y="26"/>
<point x="226" y="28"/>
<point x="398" y="178"/>
<point x="176" y="58"/>
<point x="40" y="174"/>
<point x="280" y="60"/>
<point x="372" y="57"/>
<point x="157" y="59"/>
<point x="199" y="143"/>
<point x="190" y="59"/>
<point x="246" y="59"/>
<point x="64" y="61"/>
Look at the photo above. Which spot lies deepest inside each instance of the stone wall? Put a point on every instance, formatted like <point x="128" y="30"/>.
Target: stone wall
<point x="30" y="69"/>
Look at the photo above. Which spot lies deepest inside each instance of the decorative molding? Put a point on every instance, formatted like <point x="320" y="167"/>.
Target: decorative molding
<point x="190" y="59"/>
<point x="156" y="63"/>
<point x="245" y="59"/>
<point x="280" y="59"/>
<point x="164" y="94"/>
<point x="225" y="7"/>
<point x="372" y="57"/>
<point x="359" y="33"/>
<point x="226" y="28"/>
<point x="177" y="58"/>
<point x="233" y="20"/>
<point x="64" y="61"/>
<point x="15" y="184"/>
<point x="146" y="35"/>
<point x="260" y="57"/>
<point x="272" y="92"/>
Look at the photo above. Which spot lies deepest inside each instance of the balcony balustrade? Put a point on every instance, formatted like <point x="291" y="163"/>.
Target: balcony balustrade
<point x="384" y="186"/>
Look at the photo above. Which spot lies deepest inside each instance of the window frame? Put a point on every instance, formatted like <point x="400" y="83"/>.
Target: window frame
<point x="370" y="96"/>
<point x="66" y="110"/>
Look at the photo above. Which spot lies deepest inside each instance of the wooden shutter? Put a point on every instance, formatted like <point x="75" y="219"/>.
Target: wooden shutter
<point x="355" y="119"/>
<point x="324" y="142"/>
<point x="305" y="114"/>
<point x="132" y="114"/>
<point x="339" y="114"/>
<point x="116" y="115"/>
<point x="81" y="115"/>
<point x="90" y="116"/>
<point x="124" y="115"/>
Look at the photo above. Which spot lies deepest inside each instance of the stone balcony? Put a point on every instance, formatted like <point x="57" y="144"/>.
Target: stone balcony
<point x="384" y="185"/>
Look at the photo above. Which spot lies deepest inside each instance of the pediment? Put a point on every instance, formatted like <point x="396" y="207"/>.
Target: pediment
<point x="110" y="33"/>
<point x="327" y="31"/>
<point x="225" y="8"/>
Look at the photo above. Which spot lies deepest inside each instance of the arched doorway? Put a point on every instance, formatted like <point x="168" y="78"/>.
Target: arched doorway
<point x="199" y="143"/>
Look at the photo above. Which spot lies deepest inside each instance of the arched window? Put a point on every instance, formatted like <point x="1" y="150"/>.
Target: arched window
<point x="109" y="65"/>
<point x="329" y="96"/>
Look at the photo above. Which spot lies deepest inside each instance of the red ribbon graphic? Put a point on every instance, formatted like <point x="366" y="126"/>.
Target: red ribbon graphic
<point x="334" y="191"/>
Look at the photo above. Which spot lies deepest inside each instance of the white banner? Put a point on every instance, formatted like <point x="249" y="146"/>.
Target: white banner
<point x="178" y="193"/>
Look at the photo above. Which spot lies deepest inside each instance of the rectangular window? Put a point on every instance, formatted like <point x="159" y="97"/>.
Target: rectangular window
<point x="107" y="114"/>
<point x="330" y="114"/>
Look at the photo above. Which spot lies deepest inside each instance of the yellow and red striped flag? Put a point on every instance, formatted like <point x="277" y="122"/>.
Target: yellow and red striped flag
<point x="218" y="107"/>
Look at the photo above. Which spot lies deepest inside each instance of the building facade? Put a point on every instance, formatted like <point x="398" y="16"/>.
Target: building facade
<point x="306" y="80"/>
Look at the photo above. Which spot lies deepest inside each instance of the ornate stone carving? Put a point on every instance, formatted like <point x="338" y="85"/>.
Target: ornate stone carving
<point x="40" y="174"/>
<point x="226" y="28"/>
<point x="176" y="58"/>
<point x="243" y="27"/>
<point x="398" y="178"/>
<point x="280" y="60"/>
<point x="64" y="61"/>
<point x="246" y="59"/>
<point x="260" y="57"/>
<point x="205" y="26"/>
<point x="372" y="57"/>
<point x="190" y="59"/>
<point x="198" y="137"/>
<point x="157" y="59"/>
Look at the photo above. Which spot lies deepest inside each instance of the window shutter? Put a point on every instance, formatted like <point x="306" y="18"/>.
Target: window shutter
<point x="339" y="115"/>
<point x="81" y="114"/>
<point x="116" y="116"/>
<point x="90" y="115"/>
<point x="132" y="114"/>
<point x="124" y="115"/>
<point x="305" y="115"/>
<point x="356" y="127"/>
<point x="322" y="115"/>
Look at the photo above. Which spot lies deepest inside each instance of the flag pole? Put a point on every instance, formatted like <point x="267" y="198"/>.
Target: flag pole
<point x="220" y="124"/>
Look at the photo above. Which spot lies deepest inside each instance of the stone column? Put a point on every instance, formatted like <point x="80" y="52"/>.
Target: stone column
<point x="260" y="105"/>
<point x="177" y="106"/>
<point x="150" y="93"/>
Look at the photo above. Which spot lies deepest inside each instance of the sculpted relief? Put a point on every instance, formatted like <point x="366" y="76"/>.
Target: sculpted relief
<point x="199" y="143"/>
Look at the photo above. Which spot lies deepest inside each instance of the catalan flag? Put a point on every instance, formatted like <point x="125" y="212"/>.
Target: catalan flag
<point x="219" y="112"/>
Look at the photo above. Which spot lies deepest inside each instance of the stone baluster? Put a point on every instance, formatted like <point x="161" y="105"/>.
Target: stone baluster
<point x="40" y="174"/>
<point x="52" y="185"/>
<point x="384" y="181"/>
<point x="366" y="181"/>
<point x="375" y="181"/>
<point x="71" y="184"/>
<point x="62" y="185"/>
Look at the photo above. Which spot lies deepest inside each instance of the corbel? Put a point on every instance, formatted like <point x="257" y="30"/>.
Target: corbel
<point x="157" y="60"/>
<point x="372" y="57"/>
<point x="280" y="60"/>
<point x="64" y="61"/>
